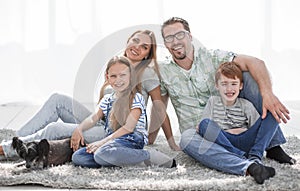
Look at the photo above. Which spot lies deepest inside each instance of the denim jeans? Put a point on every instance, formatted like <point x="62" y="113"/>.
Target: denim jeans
<point x="252" y="142"/>
<point x="57" y="107"/>
<point x="217" y="157"/>
<point x="251" y="92"/>
<point x="125" y="150"/>
<point x="45" y="123"/>
<point x="211" y="154"/>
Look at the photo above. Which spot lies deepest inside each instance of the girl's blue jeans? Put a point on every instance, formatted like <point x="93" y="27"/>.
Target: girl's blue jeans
<point x="125" y="150"/>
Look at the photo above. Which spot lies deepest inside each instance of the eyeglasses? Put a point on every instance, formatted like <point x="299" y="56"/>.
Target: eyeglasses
<point x="180" y="35"/>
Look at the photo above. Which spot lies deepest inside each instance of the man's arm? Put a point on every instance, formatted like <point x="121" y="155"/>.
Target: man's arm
<point x="259" y="72"/>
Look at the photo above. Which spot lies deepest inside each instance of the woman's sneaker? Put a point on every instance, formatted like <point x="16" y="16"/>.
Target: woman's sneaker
<point x="160" y="159"/>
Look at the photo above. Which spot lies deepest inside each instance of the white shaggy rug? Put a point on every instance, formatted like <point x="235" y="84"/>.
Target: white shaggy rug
<point x="189" y="174"/>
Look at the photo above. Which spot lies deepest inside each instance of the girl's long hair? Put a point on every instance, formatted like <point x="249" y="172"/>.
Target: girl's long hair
<point x="123" y="103"/>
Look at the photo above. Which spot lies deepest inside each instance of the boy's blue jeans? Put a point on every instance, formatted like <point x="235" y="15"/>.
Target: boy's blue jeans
<point x="252" y="142"/>
<point x="125" y="150"/>
<point x="217" y="157"/>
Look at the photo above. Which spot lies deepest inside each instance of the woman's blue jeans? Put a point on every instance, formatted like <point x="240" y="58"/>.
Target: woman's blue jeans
<point x="55" y="120"/>
<point x="125" y="150"/>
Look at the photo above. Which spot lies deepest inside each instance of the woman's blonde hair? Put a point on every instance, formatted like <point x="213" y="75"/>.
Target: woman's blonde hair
<point x="140" y="68"/>
<point x="151" y="58"/>
<point x="123" y="103"/>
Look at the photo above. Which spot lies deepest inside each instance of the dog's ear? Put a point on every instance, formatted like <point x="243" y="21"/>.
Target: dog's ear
<point x="15" y="141"/>
<point x="43" y="147"/>
<point x="43" y="151"/>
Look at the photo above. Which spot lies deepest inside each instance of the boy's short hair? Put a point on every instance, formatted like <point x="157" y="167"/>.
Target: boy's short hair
<point x="230" y="70"/>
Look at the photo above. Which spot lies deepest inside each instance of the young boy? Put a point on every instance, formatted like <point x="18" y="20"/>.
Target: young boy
<point x="235" y="124"/>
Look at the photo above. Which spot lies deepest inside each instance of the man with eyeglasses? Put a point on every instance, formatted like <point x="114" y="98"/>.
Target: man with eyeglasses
<point x="187" y="77"/>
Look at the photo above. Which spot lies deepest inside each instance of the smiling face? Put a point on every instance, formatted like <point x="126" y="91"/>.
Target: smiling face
<point x="118" y="76"/>
<point x="229" y="89"/>
<point x="179" y="48"/>
<point x="138" y="47"/>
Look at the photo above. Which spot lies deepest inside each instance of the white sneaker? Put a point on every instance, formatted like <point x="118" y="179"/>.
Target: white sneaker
<point x="160" y="159"/>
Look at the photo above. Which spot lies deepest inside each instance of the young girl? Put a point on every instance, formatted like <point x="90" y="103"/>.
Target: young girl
<point x="141" y="51"/>
<point x="125" y="122"/>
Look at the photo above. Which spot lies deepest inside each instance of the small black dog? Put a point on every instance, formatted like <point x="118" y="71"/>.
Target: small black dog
<point x="47" y="153"/>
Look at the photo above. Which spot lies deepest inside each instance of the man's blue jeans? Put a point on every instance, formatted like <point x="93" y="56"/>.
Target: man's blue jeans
<point x="251" y="92"/>
<point x="217" y="157"/>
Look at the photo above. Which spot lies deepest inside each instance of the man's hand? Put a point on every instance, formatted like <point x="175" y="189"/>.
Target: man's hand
<point x="76" y="139"/>
<point x="279" y="111"/>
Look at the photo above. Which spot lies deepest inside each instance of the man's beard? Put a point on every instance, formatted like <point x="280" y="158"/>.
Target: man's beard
<point x="180" y="57"/>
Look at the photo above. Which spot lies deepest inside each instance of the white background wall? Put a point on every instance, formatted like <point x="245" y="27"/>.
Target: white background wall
<point x="43" y="43"/>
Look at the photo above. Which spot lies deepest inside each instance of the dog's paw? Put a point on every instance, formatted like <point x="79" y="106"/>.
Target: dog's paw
<point x="19" y="164"/>
<point x="20" y="170"/>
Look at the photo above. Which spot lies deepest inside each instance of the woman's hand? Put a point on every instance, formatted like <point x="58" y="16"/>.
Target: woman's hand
<point x="76" y="139"/>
